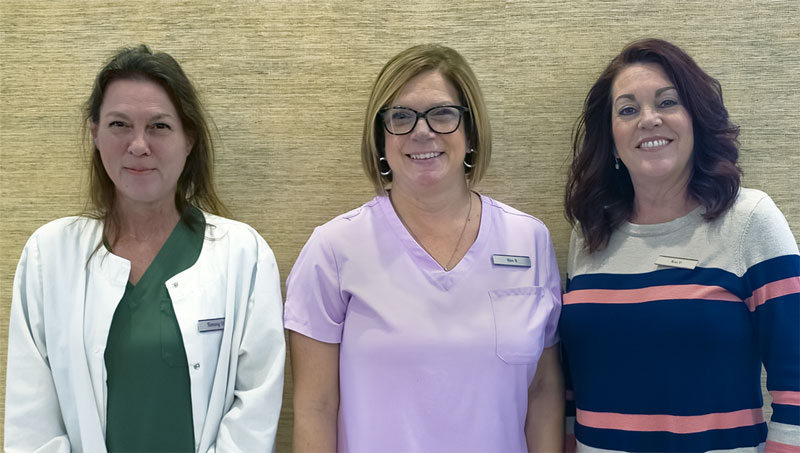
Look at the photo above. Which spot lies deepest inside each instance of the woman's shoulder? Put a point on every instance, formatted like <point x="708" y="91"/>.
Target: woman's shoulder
<point x="73" y="227"/>
<point x="511" y="216"/>
<point x="761" y="228"/>
<point x="748" y="199"/>
<point x="353" y="222"/>
<point x="226" y="224"/>
<point x="239" y="233"/>
<point x="751" y="208"/>
<point x="75" y="237"/>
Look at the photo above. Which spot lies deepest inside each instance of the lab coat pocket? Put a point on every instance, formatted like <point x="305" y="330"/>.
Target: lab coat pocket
<point x="520" y="317"/>
<point x="173" y="352"/>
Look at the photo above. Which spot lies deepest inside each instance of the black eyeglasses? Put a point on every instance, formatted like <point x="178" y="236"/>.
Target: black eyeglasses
<point x="442" y="119"/>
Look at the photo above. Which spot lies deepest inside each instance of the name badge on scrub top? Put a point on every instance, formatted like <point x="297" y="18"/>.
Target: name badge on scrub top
<point x="674" y="261"/>
<point x="511" y="260"/>
<point x="210" y="325"/>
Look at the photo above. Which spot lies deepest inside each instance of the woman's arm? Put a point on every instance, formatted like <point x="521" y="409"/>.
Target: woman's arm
<point x="252" y="421"/>
<point x="315" y="367"/>
<point x="33" y="420"/>
<point x="772" y="281"/>
<point x="544" y="425"/>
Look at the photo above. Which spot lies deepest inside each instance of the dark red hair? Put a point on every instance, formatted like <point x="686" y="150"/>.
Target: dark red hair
<point x="599" y="197"/>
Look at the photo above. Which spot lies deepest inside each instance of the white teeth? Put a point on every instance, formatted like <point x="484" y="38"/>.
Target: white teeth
<point x="654" y="143"/>
<point x="423" y="156"/>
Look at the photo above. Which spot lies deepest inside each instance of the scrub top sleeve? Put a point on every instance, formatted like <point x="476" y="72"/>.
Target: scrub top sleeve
<point x="30" y="389"/>
<point x="552" y="285"/>
<point x="772" y="280"/>
<point x="252" y="421"/>
<point x="315" y="306"/>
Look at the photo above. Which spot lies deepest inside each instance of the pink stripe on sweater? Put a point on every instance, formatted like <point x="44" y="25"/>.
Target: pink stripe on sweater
<point x="653" y="293"/>
<point x="777" y="447"/>
<point x="670" y="423"/>
<point x="772" y="290"/>
<point x="785" y="397"/>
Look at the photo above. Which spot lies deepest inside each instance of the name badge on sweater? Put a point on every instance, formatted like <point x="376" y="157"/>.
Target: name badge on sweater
<point x="511" y="260"/>
<point x="674" y="261"/>
<point x="210" y="325"/>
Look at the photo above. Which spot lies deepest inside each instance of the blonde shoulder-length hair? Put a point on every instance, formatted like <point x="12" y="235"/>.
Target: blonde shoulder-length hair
<point x="395" y="74"/>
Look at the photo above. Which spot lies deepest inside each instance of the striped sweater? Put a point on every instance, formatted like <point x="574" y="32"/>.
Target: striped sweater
<point x="667" y="357"/>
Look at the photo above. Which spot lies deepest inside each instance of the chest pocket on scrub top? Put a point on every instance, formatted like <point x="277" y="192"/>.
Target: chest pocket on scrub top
<point x="520" y="318"/>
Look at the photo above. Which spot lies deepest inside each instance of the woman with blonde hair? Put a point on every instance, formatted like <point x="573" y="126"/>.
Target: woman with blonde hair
<point x="425" y="320"/>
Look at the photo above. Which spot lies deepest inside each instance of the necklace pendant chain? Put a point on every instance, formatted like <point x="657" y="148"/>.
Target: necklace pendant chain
<point x="447" y="267"/>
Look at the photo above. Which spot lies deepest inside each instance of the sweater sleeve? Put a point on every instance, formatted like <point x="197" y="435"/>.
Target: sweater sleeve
<point x="769" y="256"/>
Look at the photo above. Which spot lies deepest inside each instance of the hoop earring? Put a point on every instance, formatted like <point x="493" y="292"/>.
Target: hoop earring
<point x="616" y="163"/>
<point x="466" y="164"/>
<point x="387" y="172"/>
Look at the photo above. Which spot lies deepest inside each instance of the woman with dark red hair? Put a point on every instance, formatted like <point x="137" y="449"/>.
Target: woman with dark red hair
<point x="680" y="283"/>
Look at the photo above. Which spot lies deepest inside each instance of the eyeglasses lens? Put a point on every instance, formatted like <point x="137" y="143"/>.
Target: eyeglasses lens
<point x="442" y="120"/>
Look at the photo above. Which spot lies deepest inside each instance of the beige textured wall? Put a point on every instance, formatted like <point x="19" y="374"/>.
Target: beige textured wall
<point x="287" y="82"/>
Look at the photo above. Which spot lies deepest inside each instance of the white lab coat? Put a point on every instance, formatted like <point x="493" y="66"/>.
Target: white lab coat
<point x="66" y="290"/>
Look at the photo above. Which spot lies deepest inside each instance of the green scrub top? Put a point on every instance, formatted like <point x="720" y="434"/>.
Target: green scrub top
<point x="149" y="405"/>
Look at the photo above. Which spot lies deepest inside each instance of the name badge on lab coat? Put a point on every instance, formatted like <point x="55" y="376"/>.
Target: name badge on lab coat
<point x="210" y="325"/>
<point x="511" y="260"/>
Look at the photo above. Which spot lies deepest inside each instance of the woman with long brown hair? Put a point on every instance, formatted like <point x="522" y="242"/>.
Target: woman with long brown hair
<point x="150" y="323"/>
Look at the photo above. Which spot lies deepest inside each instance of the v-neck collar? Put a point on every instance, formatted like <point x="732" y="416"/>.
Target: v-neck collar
<point x="160" y="264"/>
<point x="426" y="263"/>
<point x="163" y="265"/>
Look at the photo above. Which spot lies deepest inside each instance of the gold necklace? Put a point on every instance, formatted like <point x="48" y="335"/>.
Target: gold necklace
<point x="446" y="267"/>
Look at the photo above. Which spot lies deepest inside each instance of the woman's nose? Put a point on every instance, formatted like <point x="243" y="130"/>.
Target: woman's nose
<point x="138" y="145"/>
<point x="650" y="118"/>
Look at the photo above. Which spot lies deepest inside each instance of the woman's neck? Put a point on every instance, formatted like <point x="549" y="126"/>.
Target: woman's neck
<point x="145" y="222"/>
<point x="430" y="205"/>
<point x="445" y="223"/>
<point x="659" y="206"/>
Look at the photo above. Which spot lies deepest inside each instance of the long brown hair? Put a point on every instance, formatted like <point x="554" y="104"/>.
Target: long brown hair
<point x="196" y="183"/>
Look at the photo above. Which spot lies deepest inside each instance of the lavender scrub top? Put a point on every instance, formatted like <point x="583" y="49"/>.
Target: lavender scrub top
<point x="429" y="360"/>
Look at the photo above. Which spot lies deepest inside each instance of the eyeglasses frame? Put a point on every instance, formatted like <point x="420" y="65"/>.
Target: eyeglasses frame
<point x="461" y="110"/>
